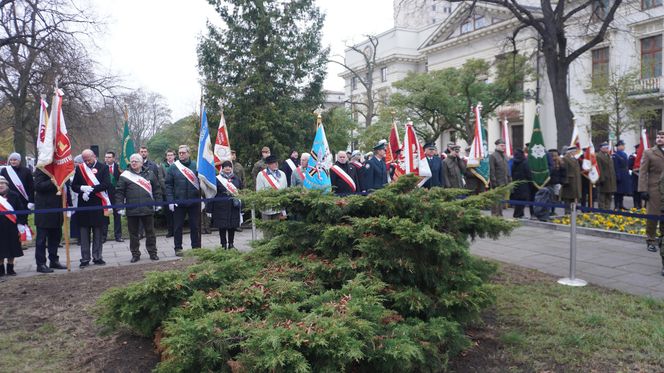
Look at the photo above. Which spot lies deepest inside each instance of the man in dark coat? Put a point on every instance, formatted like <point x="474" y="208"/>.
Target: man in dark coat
<point x="623" y="178"/>
<point x="344" y="176"/>
<point x="158" y="172"/>
<point x="454" y="168"/>
<point x="179" y="187"/>
<point x="49" y="225"/>
<point x="138" y="185"/>
<point x="571" y="189"/>
<point x="91" y="194"/>
<point x="289" y="165"/>
<point x="499" y="172"/>
<point x="522" y="192"/>
<point x="651" y="170"/>
<point x="436" y="167"/>
<point x="114" y="173"/>
<point x="168" y="162"/>
<point x="607" y="176"/>
<point x="375" y="169"/>
<point x="17" y="174"/>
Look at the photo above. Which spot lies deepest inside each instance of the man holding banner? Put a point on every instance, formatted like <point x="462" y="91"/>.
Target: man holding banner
<point x="91" y="182"/>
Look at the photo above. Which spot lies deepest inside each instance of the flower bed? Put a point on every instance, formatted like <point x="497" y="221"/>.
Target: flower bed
<point x="616" y="223"/>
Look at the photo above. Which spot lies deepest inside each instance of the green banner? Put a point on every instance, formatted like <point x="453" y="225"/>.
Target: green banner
<point x="127" y="147"/>
<point x="537" y="159"/>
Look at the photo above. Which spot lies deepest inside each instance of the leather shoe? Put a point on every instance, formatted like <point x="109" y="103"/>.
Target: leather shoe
<point x="99" y="262"/>
<point x="652" y="248"/>
<point x="154" y="257"/>
<point x="169" y="235"/>
<point x="56" y="265"/>
<point x="135" y="259"/>
<point x="42" y="268"/>
<point x="84" y="264"/>
<point x="178" y="253"/>
<point x="119" y="240"/>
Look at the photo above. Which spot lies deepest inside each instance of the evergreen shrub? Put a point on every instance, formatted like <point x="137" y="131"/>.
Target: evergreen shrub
<point x="382" y="283"/>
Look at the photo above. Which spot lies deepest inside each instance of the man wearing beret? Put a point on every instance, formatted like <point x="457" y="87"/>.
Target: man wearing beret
<point x="499" y="174"/>
<point x="607" y="176"/>
<point x="375" y="169"/>
<point x="436" y="166"/>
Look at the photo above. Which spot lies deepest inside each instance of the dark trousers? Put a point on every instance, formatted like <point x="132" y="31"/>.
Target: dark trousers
<point x="618" y="201"/>
<point x="194" y="214"/>
<point x="518" y="211"/>
<point x="169" y="220"/>
<point x="47" y="237"/>
<point x="150" y="237"/>
<point x="636" y="197"/>
<point x="223" y="233"/>
<point x="74" y="230"/>
<point x="96" y="243"/>
<point x="117" y="227"/>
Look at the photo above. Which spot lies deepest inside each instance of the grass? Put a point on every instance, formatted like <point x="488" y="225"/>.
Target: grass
<point x="544" y="325"/>
<point x="30" y="351"/>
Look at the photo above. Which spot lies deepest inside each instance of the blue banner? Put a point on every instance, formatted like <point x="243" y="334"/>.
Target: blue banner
<point x="317" y="175"/>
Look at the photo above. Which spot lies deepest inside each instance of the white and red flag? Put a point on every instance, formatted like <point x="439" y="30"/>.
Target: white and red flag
<point x="576" y="141"/>
<point x="415" y="162"/>
<point x="643" y="145"/>
<point x="589" y="164"/>
<point x="222" y="145"/>
<point x="53" y="144"/>
<point x="392" y="156"/>
<point x="508" y="139"/>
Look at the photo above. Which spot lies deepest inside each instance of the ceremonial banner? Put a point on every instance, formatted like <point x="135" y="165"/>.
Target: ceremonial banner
<point x="415" y="162"/>
<point x="589" y="163"/>
<point x="478" y="159"/>
<point x="206" y="172"/>
<point x="62" y="164"/>
<point x="317" y="175"/>
<point x="391" y="155"/>
<point x="127" y="146"/>
<point x="643" y="145"/>
<point x="222" y="145"/>
<point x="45" y="138"/>
<point x="537" y="159"/>
<point x="576" y="142"/>
<point x="508" y="139"/>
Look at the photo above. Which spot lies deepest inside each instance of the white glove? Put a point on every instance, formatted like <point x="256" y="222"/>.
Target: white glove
<point x="172" y="206"/>
<point x="86" y="196"/>
<point x="69" y="214"/>
<point x="157" y="208"/>
<point x="209" y="215"/>
<point x="121" y="212"/>
<point x="202" y="206"/>
<point x="31" y="206"/>
<point x="86" y="189"/>
<point x="21" y="228"/>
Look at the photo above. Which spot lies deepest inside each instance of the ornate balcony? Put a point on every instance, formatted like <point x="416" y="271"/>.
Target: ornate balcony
<point x="647" y="87"/>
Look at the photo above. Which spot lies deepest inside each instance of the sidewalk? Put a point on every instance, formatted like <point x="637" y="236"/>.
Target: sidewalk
<point x="606" y="262"/>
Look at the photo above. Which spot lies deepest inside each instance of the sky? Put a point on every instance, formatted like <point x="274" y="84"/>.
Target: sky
<point x="151" y="44"/>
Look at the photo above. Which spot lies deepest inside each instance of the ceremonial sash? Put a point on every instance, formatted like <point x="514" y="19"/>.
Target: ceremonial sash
<point x="273" y="181"/>
<point x="357" y="165"/>
<point x="299" y="172"/>
<point x="6" y="206"/>
<point x="188" y="174"/>
<point x="17" y="182"/>
<point x="344" y="176"/>
<point x="92" y="181"/>
<point x="291" y="164"/>
<point x="27" y="234"/>
<point x="230" y="187"/>
<point x="138" y="180"/>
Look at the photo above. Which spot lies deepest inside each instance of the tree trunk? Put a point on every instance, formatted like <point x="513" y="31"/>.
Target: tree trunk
<point x="563" y="114"/>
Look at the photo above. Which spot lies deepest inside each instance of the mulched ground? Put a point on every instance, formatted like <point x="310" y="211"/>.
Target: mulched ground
<point x="67" y="302"/>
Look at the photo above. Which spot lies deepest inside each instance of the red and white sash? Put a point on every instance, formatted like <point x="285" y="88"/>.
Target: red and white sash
<point x="17" y="182"/>
<point x="357" y="165"/>
<point x="6" y="206"/>
<point x="344" y="176"/>
<point x="92" y="181"/>
<point x="230" y="187"/>
<point x="291" y="164"/>
<point x="299" y="172"/>
<point x="273" y="181"/>
<point x="138" y="180"/>
<point x="188" y="174"/>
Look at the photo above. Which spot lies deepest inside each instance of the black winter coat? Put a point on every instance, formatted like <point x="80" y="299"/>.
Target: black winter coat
<point x="623" y="178"/>
<point x="128" y="192"/>
<point x="437" y="173"/>
<point x="178" y="187"/>
<point x="92" y="218"/>
<point x="46" y="197"/>
<point x="339" y="186"/>
<point x="225" y="213"/>
<point x="10" y="245"/>
<point x="557" y="175"/>
<point x="521" y="171"/>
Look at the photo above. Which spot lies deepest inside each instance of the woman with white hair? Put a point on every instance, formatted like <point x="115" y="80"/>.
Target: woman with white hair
<point x="20" y="180"/>
<point x="10" y="226"/>
<point x="139" y="185"/>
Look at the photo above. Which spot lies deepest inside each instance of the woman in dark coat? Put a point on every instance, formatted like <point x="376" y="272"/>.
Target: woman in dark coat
<point x="623" y="178"/>
<point x="227" y="211"/>
<point x="10" y="244"/>
<point x="520" y="172"/>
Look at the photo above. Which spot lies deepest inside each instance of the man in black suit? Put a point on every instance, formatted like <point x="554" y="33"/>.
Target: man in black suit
<point x="114" y="173"/>
<point x="375" y="170"/>
<point x="436" y="166"/>
<point x="91" y="182"/>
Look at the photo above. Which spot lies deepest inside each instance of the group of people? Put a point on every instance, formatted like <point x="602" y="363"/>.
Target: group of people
<point x="146" y="186"/>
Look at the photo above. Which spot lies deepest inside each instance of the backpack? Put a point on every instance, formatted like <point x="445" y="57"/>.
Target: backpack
<point x="544" y="195"/>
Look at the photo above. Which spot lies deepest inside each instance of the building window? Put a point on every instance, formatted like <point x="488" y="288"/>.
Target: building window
<point x="353" y="83"/>
<point x="480" y="22"/>
<point x="383" y="74"/>
<point x="599" y="128"/>
<point x="433" y="7"/>
<point x="653" y="125"/>
<point x="651" y="57"/>
<point x="649" y="4"/>
<point x="600" y="71"/>
<point x="467" y="26"/>
<point x="433" y="20"/>
<point x="600" y="9"/>
<point x="474" y="22"/>
<point x="426" y="66"/>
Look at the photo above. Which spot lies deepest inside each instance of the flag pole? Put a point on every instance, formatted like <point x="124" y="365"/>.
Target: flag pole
<point x="200" y="191"/>
<point x="63" y="190"/>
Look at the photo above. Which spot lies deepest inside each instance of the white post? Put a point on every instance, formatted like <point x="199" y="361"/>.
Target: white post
<point x="253" y="224"/>
<point x="572" y="280"/>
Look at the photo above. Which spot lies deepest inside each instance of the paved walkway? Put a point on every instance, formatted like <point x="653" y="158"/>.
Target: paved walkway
<point x="606" y="262"/>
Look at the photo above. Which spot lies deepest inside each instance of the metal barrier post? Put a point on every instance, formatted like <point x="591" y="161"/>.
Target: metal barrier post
<point x="572" y="280"/>
<point x="253" y="224"/>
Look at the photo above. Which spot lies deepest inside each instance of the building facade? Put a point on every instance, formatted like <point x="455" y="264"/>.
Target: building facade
<point x="634" y="44"/>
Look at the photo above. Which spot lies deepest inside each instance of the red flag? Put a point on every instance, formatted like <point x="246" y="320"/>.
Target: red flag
<point x="62" y="166"/>
<point x="222" y="145"/>
<point x="589" y="163"/>
<point x="643" y="145"/>
<point x="415" y="162"/>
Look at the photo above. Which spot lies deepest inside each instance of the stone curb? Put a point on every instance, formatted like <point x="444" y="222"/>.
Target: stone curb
<point x="586" y="231"/>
